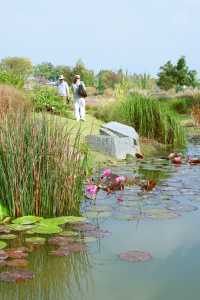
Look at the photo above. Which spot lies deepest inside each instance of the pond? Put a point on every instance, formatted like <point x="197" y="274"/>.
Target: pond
<point x="163" y="223"/>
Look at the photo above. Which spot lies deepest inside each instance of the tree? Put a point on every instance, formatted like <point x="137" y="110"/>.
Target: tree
<point x="177" y="75"/>
<point x="20" y="66"/>
<point x="86" y="75"/>
<point x="44" y="70"/>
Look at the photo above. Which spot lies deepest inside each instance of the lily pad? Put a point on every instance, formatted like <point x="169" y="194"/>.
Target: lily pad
<point x="161" y="214"/>
<point x="60" y="240"/>
<point x="98" y="233"/>
<point x="7" y="236"/>
<point x="45" y="229"/>
<point x="135" y="256"/>
<point x="89" y="239"/>
<point x="95" y="215"/>
<point x="129" y="217"/>
<point x="62" y="220"/>
<point x="76" y="247"/>
<point x="3" y="255"/>
<point x="2" y="245"/>
<point x="4" y="229"/>
<point x="182" y="208"/>
<point x="27" y="220"/>
<point x="17" y="263"/>
<point x="69" y="233"/>
<point x="60" y="252"/>
<point x="16" y="253"/>
<point x="84" y="227"/>
<point x="18" y="227"/>
<point x="16" y="276"/>
<point x="36" y="240"/>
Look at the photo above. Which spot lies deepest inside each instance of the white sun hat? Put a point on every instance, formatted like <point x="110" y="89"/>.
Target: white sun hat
<point x="61" y="77"/>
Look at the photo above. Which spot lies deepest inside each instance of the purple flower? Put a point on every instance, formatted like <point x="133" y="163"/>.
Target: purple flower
<point x="119" y="179"/>
<point x="91" y="189"/>
<point x="106" y="173"/>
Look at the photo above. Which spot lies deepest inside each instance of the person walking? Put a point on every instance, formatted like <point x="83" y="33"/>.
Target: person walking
<point x="63" y="89"/>
<point x="79" y="92"/>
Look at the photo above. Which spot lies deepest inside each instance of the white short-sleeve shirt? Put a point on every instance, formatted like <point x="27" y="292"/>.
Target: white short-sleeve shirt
<point x="63" y="89"/>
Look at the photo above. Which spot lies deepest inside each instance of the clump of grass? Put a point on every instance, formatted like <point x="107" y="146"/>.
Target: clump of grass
<point x="151" y="119"/>
<point x="12" y="100"/>
<point x="42" y="167"/>
<point x="180" y="105"/>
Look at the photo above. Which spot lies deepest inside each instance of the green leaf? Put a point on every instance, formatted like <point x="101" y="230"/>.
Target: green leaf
<point x="18" y="227"/>
<point x="26" y="220"/>
<point x="8" y="236"/>
<point x="45" y="229"/>
<point x="2" y="245"/>
<point x="62" y="220"/>
<point x="36" y="240"/>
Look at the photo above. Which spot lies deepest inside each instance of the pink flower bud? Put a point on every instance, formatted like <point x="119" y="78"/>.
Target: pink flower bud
<point x="106" y="173"/>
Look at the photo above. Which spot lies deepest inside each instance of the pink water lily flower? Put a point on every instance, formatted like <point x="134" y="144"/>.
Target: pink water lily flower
<point x="119" y="179"/>
<point x="106" y="173"/>
<point x="91" y="189"/>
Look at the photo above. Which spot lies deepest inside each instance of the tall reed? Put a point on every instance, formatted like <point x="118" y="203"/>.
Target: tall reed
<point x="42" y="167"/>
<point x="150" y="118"/>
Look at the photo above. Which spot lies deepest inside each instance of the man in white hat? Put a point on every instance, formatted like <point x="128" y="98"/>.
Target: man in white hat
<point x="63" y="89"/>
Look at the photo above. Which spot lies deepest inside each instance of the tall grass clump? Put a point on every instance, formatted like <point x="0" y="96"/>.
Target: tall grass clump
<point x="150" y="118"/>
<point x="12" y="100"/>
<point x="42" y="167"/>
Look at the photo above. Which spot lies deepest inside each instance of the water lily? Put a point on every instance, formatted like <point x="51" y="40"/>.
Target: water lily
<point x="106" y="173"/>
<point x="92" y="189"/>
<point x="119" y="179"/>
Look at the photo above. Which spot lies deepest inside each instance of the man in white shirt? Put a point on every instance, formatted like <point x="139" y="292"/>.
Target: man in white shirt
<point x="63" y="89"/>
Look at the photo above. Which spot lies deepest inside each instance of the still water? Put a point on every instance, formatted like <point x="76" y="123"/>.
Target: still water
<point x="98" y="273"/>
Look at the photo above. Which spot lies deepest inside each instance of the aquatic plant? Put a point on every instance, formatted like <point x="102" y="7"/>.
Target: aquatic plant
<point x="135" y="256"/>
<point x="16" y="276"/>
<point x="42" y="167"/>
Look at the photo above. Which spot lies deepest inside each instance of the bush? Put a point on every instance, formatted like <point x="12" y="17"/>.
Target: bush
<point x="42" y="167"/>
<point x="11" y="78"/>
<point x="47" y="99"/>
<point x="12" y="100"/>
<point x="180" y="105"/>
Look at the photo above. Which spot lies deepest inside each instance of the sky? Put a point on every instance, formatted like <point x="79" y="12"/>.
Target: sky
<point x="137" y="36"/>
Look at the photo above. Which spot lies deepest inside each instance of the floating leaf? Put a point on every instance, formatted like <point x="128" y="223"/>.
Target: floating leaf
<point x="27" y="220"/>
<point x="62" y="220"/>
<point x="89" y="239"/>
<point x="16" y="276"/>
<point x="161" y="214"/>
<point x="84" y="227"/>
<point x="2" y="245"/>
<point x="17" y="263"/>
<point x="3" y="255"/>
<point x="76" y="247"/>
<point x="129" y="217"/>
<point x="60" y="252"/>
<point x="45" y="229"/>
<point x="182" y="208"/>
<point x="7" y="236"/>
<point x="36" y="240"/>
<point x="18" y="227"/>
<point x="17" y="253"/>
<point x="69" y="233"/>
<point x="4" y="229"/>
<point x="60" y="240"/>
<point x="135" y="256"/>
<point x="3" y="212"/>
<point x="98" y="233"/>
<point x="95" y="215"/>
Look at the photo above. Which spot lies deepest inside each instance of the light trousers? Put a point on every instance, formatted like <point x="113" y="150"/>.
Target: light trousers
<point x="79" y="109"/>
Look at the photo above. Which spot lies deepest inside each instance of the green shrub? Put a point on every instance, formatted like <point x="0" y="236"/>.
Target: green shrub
<point x="180" y="105"/>
<point x="42" y="167"/>
<point x="47" y="99"/>
<point x="11" y="78"/>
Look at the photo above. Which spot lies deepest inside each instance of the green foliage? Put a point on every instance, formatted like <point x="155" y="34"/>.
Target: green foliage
<point x="42" y="169"/>
<point x="46" y="98"/>
<point x="86" y="75"/>
<point x="10" y="78"/>
<point x="180" y="105"/>
<point x="177" y="76"/>
<point x="151" y="118"/>
<point x="20" y="66"/>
